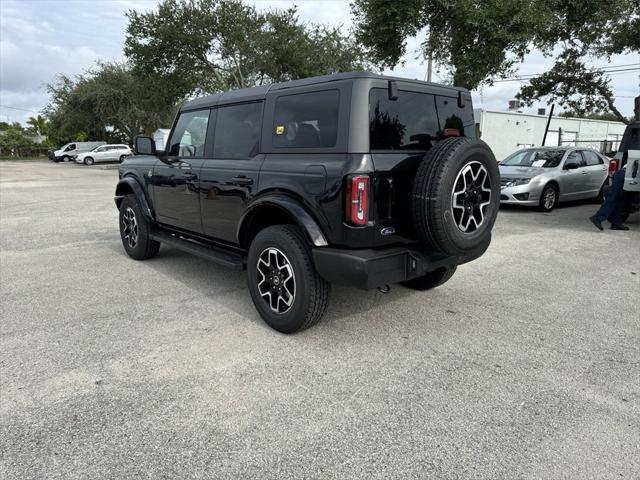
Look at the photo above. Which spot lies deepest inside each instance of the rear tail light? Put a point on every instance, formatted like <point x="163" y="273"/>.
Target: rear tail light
<point x="357" y="200"/>
<point x="613" y="167"/>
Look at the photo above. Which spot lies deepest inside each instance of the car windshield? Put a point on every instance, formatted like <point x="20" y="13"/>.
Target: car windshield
<point x="534" y="158"/>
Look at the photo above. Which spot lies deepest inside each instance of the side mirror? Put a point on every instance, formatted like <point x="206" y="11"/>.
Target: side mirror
<point x="570" y="166"/>
<point x="144" y="146"/>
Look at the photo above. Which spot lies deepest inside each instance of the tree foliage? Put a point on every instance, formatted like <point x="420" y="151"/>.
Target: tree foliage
<point x="204" y="46"/>
<point x="481" y="40"/>
<point x="13" y="139"/>
<point x="585" y="30"/>
<point x="109" y="103"/>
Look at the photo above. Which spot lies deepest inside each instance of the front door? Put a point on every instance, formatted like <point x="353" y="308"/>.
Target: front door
<point x="175" y="179"/>
<point x="229" y="179"/>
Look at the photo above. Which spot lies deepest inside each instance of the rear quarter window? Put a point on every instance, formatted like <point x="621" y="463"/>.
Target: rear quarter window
<point x="306" y="120"/>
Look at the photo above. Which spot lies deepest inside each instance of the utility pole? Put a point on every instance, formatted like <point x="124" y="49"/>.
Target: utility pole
<point x="429" y="65"/>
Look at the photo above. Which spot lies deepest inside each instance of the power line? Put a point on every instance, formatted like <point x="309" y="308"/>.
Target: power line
<point x="20" y="109"/>
<point x="524" y="78"/>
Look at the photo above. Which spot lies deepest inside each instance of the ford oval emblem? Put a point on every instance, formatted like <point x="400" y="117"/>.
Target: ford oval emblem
<point x="388" y="231"/>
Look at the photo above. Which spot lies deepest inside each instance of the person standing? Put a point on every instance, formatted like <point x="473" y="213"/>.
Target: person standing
<point x="612" y="208"/>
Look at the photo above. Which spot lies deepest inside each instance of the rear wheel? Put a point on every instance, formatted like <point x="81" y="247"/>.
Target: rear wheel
<point x="455" y="196"/>
<point x="122" y="158"/>
<point x="432" y="279"/>
<point x="284" y="285"/>
<point x="88" y="160"/>
<point x="548" y="198"/>
<point x="135" y="231"/>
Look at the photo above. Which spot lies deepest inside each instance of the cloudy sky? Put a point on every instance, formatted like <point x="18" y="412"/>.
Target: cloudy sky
<point x="39" y="38"/>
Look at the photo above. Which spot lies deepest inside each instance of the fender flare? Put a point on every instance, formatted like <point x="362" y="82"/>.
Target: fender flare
<point x="292" y="207"/>
<point x="128" y="185"/>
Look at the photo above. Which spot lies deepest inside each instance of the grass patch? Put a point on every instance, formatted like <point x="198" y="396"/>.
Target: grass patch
<point x="22" y="159"/>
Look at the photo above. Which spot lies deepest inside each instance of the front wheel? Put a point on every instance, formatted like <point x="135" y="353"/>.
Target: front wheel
<point x="88" y="161"/>
<point x="66" y="158"/>
<point x="122" y="158"/>
<point x="135" y="231"/>
<point x="432" y="279"/>
<point x="548" y="198"/>
<point x="284" y="285"/>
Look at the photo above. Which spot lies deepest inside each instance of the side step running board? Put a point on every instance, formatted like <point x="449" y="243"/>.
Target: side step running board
<point x="228" y="259"/>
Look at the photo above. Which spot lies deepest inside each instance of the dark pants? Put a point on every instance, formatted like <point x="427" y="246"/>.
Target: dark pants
<point x="613" y="206"/>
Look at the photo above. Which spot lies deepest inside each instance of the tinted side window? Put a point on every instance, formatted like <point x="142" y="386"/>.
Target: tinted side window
<point x="408" y="123"/>
<point x="190" y="134"/>
<point x="238" y="131"/>
<point x="306" y="120"/>
<point x="576" y="157"/>
<point x="592" y="158"/>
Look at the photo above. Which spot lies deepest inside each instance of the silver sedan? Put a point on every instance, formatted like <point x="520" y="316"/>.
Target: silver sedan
<point x="544" y="176"/>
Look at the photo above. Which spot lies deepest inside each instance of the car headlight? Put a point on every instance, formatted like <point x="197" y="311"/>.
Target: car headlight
<point x="514" y="182"/>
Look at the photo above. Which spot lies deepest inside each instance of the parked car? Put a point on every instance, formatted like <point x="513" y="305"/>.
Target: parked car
<point x="69" y="150"/>
<point x="544" y="176"/>
<point x="105" y="153"/>
<point x="350" y="179"/>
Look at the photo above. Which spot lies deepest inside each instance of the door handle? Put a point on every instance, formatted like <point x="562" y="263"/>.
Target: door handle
<point x="242" y="180"/>
<point x="584" y="173"/>
<point x="191" y="176"/>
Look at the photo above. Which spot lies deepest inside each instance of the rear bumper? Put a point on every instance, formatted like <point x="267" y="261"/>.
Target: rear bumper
<point x="368" y="268"/>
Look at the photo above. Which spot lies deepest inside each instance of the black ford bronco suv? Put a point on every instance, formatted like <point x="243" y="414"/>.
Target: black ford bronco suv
<point x="353" y="178"/>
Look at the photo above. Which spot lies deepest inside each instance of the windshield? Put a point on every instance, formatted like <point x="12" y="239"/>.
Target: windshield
<point x="534" y="158"/>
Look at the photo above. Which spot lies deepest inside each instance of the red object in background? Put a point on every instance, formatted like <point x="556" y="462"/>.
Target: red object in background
<point x="613" y="166"/>
<point x="451" y="132"/>
<point x="357" y="200"/>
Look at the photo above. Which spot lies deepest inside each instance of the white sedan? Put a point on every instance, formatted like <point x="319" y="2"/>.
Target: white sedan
<point x="105" y="153"/>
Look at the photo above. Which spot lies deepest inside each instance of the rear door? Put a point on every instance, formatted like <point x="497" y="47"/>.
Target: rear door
<point x="175" y="179"/>
<point x="229" y="174"/>
<point x="597" y="171"/>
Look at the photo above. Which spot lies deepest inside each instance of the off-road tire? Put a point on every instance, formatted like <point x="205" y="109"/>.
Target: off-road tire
<point x="542" y="205"/>
<point x="144" y="247"/>
<point x="311" y="290"/>
<point x="431" y="195"/>
<point x="88" y="161"/>
<point x="431" y="280"/>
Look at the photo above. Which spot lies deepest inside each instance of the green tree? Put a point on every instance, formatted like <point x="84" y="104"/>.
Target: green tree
<point x="38" y="125"/>
<point x="477" y="40"/>
<point x="108" y="102"/>
<point x="482" y="40"/>
<point x="13" y="139"/>
<point x="204" y="46"/>
<point x="585" y="30"/>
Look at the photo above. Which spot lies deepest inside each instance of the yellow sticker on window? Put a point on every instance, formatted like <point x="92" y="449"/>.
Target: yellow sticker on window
<point x="279" y="129"/>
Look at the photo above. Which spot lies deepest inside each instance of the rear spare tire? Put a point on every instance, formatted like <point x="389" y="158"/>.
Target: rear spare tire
<point x="455" y="196"/>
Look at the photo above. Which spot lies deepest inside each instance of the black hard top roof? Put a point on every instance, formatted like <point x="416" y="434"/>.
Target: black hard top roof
<point x="259" y="93"/>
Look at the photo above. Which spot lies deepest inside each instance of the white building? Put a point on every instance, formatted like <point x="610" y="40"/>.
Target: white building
<point x="510" y="130"/>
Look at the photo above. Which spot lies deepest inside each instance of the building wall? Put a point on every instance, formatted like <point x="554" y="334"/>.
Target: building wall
<point x="507" y="131"/>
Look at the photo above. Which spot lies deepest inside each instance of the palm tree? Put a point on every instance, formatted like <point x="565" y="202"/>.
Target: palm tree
<point x="38" y="124"/>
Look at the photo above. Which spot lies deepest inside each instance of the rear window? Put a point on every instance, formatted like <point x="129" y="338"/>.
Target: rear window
<point x="408" y="123"/>
<point x="306" y="120"/>
<point x="451" y="115"/>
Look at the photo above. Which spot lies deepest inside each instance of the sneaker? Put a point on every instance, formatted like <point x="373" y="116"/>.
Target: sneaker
<point x="596" y="222"/>
<point x="620" y="226"/>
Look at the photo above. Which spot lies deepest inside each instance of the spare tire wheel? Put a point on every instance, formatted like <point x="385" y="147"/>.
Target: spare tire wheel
<point x="455" y="196"/>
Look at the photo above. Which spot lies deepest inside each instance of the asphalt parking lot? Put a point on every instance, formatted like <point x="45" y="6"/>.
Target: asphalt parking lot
<point x="525" y="365"/>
